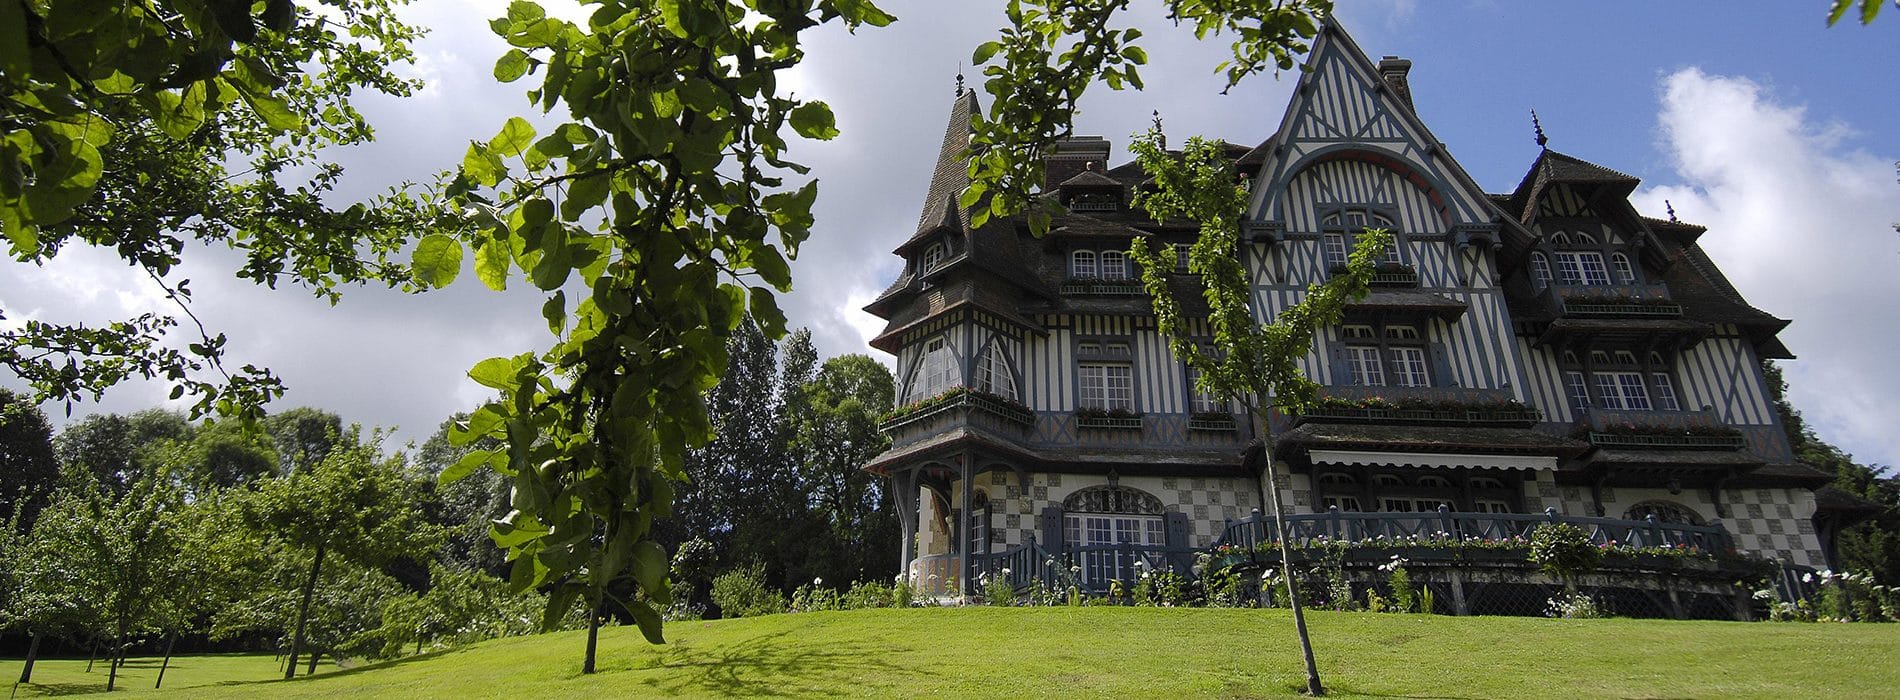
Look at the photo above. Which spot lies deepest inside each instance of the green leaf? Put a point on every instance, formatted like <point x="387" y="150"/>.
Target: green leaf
<point x="1838" y="11"/>
<point x="554" y="310"/>
<point x="648" y="620"/>
<point x="491" y="264"/>
<point x="984" y="51"/>
<point x="14" y="59"/>
<point x="559" y="602"/>
<point x="437" y="260"/>
<point x="1135" y="55"/>
<point x="482" y="167"/>
<point x="272" y="109"/>
<point x="813" y="120"/>
<point x="514" y="138"/>
<point x="584" y="194"/>
<point x="463" y="467"/>
<point x="516" y="529"/>
<point x="649" y="568"/>
<point x="511" y="66"/>
<point x="494" y="372"/>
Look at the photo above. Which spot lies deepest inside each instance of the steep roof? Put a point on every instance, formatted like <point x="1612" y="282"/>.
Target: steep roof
<point x="1552" y="167"/>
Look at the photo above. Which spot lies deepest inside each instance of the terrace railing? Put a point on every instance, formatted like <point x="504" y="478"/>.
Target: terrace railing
<point x="1335" y="525"/>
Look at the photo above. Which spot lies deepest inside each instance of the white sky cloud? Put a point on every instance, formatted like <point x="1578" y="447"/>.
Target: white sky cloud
<point x="1802" y="224"/>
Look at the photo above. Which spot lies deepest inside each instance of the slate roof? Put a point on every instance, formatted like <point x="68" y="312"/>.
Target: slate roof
<point x="1417" y="438"/>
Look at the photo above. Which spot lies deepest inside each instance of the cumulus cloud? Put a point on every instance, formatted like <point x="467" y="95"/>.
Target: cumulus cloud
<point x="1802" y="222"/>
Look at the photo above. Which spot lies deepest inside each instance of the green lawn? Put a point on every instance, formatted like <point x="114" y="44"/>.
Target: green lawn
<point x="1097" y="652"/>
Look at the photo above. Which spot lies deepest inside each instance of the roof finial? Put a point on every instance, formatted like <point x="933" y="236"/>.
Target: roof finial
<point x="1672" y="212"/>
<point x="1539" y="128"/>
<point x="1160" y="135"/>
<point x="959" y="78"/>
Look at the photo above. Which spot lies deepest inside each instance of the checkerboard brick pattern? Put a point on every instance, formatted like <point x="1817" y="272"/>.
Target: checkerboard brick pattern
<point x="1765" y="522"/>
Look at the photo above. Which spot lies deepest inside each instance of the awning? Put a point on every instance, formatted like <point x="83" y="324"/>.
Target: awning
<point x="1450" y="461"/>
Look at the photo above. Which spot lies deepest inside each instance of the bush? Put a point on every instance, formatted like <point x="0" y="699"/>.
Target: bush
<point x="815" y="597"/>
<point x="1564" y="551"/>
<point x="997" y="588"/>
<point x="1572" y="605"/>
<point x="869" y="594"/>
<point x="742" y="593"/>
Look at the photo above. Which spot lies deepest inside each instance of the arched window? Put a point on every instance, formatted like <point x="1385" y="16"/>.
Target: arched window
<point x="1111" y="515"/>
<point x="1082" y="264"/>
<point x="1625" y="273"/>
<point x="936" y="371"/>
<point x="1114" y="265"/>
<point x="933" y="256"/>
<point x="1583" y="239"/>
<point x="1336" y="478"/>
<point x="1560" y="238"/>
<point x="1665" y="512"/>
<point x="1343" y="228"/>
<point x="1387" y="480"/>
<point x="992" y="372"/>
<point x="1540" y="270"/>
<point x="1434" y="482"/>
<point x="1485" y="482"/>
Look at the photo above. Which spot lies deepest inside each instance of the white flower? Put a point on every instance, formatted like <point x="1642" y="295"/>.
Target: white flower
<point x="816" y="581"/>
<point x="1005" y="571"/>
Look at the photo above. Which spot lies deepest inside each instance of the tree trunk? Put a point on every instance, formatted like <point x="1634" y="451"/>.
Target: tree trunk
<point x="91" y="654"/>
<point x="593" y="634"/>
<point x="118" y="649"/>
<point x="1265" y="431"/>
<point x="32" y="654"/>
<point x="311" y="669"/>
<point x="169" y="641"/>
<point x="303" y="614"/>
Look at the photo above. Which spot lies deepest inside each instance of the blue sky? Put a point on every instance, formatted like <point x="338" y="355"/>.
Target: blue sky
<point x="1753" y="118"/>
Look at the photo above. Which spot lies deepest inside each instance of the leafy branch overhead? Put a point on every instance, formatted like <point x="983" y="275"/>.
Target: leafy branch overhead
<point x="1052" y="51"/>
<point x="665" y="205"/>
<point x="140" y="126"/>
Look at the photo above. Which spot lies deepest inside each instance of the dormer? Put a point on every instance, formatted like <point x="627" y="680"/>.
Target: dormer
<point x="1091" y="191"/>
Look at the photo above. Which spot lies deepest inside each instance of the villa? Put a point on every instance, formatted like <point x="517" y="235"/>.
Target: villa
<point x="1543" y="354"/>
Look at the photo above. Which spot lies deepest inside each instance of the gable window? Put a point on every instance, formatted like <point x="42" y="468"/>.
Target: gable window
<point x="1082" y="264"/>
<point x="1540" y="270"/>
<point x="1621" y="391"/>
<point x="992" y="372"/>
<point x="1579" y="392"/>
<point x="933" y="256"/>
<point x="1625" y="273"/>
<point x="1342" y="229"/>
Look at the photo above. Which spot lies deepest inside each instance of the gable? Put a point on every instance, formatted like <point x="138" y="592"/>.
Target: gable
<point x="1343" y="109"/>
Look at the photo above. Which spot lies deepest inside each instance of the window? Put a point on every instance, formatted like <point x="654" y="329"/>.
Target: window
<point x="1621" y="391"/>
<point x="1114" y="265"/>
<point x="1357" y="332"/>
<point x="1181" y="257"/>
<point x="1203" y="402"/>
<point x="1343" y="503"/>
<point x="1540" y="270"/>
<point x="1334" y="245"/>
<point x="1485" y="482"/>
<point x="1336" y="478"/>
<point x="933" y="256"/>
<point x="1082" y="264"/>
<point x="1107" y="387"/>
<point x="938" y="369"/>
<point x="1665" y="512"/>
<point x="1364" y="361"/>
<point x="1560" y="238"/>
<point x="1111" y="515"/>
<point x="1625" y="274"/>
<point x="1582" y="267"/>
<point x="1579" y="392"/>
<point x="992" y="372"/>
<point x="1401" y="332"/>
<point x="1408" y="367"/>
<point x="1395" y="505"/>
<point x="1665" y="392"/>
<point x="1584" y="239"/>
<point x="1434" y="482"/>
<point x="1484" y="506"/>
<point x="1387" y="480"/>
<point x="1625" y="357"/>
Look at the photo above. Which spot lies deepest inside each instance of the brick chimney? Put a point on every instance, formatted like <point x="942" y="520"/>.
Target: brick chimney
<point x="1071" y="157"/>
<point x="1394" y="71"/>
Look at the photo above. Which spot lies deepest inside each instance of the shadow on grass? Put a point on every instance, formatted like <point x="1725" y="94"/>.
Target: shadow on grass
<point x="64" y="688"/>
<point x="334" y="672"/>
<point x="771" y="665"/>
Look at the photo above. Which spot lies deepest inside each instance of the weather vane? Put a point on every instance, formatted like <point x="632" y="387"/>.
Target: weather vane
<point x="1539" y="128"/>
<point x="959" y="79"/>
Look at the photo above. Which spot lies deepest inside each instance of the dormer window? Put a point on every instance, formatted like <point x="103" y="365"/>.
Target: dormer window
<point x="933" y="257"/>
<point x="1105" y="265"/>
<point x="1095" y="201"/>
<point x="1540" y="270"/>
<point x="1082" y="264"/>
<point x="1625" y="273"/>
<point x="1114" y="265"/>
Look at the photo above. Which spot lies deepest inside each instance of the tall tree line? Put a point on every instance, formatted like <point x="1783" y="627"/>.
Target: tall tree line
<point x="780" y="483"/>
<point x="1872" y="546"/>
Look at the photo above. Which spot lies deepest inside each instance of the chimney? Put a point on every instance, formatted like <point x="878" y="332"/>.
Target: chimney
<point x="1394" y="70"/>
<point x="1071" y="157"/>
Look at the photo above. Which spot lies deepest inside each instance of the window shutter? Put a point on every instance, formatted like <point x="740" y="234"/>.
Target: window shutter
<point x="1336" y="355"/>
<point x="1177" y="530"/>
<point x="1052" y="528"/>
<point x="1441" y="365"/>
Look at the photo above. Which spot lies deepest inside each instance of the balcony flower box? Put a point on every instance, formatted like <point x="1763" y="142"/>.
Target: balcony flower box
<point x="1213" y="422"/>
<point x="1667" y="441"/>
<point x="1096" y="422"/>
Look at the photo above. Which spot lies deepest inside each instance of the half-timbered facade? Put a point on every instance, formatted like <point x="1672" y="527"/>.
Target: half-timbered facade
<point x="1548" y="351"/>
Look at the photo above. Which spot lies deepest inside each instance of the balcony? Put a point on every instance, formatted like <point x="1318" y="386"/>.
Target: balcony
<point x="1385" y="275"/>
<point x="954" y="408"/>
<point x="1659" y="430"/>
<point x="1213" y="422"/>
<point x="1103" y="288"/>
<point x="1650" y="301"/>
<point x="1090" y="419"/>
<point x="1423" y="407"/>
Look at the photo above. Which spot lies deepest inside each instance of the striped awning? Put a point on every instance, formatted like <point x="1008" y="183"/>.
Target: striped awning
<point x="1416" y="459"/>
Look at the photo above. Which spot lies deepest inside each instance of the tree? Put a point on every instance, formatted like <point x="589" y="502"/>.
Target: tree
<point x="304" y="436"/>
<point x="117" y="122"/>
<point x="28" y="470"/>
<point x="1254" y="364"/>
<point x="466" y="507"/>
<point x="834" y="433"/>
<point x="114" y="451"/>
<point x="1869" y="9"/>
<point x="1873" y="545"/>
<point x="354" y="503"/>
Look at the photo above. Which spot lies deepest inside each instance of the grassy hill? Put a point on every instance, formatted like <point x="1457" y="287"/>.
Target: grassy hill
<point x="1096" y="652"/>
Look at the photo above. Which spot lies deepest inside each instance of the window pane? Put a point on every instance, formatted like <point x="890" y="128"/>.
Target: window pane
<point x="1408" y="367"/>
<point x="1540" y="269"/>
<point x="1634" y="397"/>
<point x="1665" y="392"/>
<point x="1364" y="363"/>
<point x="1114" y="265"/>
<point x="1593" y="271"/>
<point x="1120" y="387"/>
<point x="1579" y="392"/>
<point x="1608" y="395"/>
<point x="1624" y="273"/>
<point x="1335" y="248"/>
<point x="1083" y="264"/>
<point x="1569" y="269"/>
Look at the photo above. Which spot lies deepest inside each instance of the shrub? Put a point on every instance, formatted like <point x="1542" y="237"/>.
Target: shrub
<point x="1404" y="592"/>
<point x="1572" y="605"/>
<point x="903" y="595"/>
<point x="742" y="593"/>
<point x="997" y="588"/>
<point x="869" y="594"/>
<point x="815" y="597"/>
<point x="1564" y="551"/>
